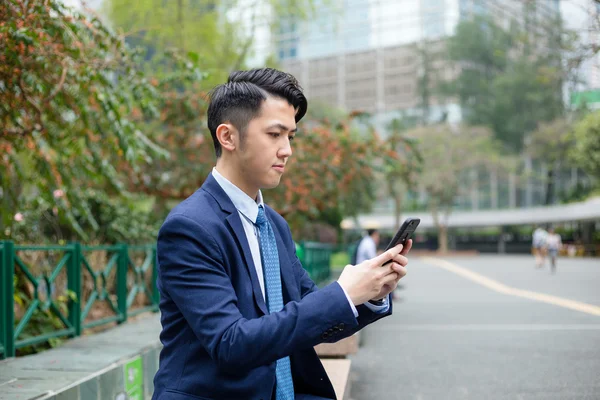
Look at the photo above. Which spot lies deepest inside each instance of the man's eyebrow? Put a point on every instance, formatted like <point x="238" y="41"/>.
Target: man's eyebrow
<point x="283" y="128"/>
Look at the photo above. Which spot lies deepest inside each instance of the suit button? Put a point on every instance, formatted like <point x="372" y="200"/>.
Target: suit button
<point x="325" y="335"/>
<point x="341" y="326"/>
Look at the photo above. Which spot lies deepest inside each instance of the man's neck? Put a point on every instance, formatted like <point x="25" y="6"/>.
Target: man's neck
<point x="232" y="175"/>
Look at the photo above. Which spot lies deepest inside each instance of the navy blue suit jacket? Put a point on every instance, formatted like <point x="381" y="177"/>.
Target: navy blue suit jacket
<point x="219" y="340"/>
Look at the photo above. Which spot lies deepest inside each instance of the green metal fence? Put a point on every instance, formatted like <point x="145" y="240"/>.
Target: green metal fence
<point x="317" y="260"/>
<point x="128" y="272"/>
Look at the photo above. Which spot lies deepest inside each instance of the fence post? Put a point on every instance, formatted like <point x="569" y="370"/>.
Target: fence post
<point x="155" y="294"/>
<point x="74" y="285"/>
<point x="7" y="312"/>
<point x="122" y="265"/>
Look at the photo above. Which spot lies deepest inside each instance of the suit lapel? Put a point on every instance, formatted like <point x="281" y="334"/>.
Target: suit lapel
<point x="234" y="221"/>
<point x="238" y="229"/>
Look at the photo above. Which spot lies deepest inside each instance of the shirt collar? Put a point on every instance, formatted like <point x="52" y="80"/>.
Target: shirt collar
<point x="242" y="202"/>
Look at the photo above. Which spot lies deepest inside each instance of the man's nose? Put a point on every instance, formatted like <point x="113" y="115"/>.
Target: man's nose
<point x="286" y="150"/>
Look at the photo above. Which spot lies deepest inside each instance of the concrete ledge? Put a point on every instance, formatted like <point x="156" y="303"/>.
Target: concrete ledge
<point x="117" y="364"/>
<point x="339" y="349"/>
<point x="120" y="364"/>
<point x="339" y="375"/>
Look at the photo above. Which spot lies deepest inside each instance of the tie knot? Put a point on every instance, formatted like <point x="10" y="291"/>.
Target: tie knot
<point x="261" y="219"/>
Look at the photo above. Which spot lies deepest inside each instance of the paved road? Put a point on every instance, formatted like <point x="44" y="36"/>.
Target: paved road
<point x="454" y="335"/>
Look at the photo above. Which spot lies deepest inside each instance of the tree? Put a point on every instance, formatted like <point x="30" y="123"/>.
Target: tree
<point x="586" y="149"/>
<point x="551" y="143"/>
<point x="480" y="50"/>
<point x="221" y="33"/>
<point x="449" y="154"/>
<point x="68" y="87"/>
<point x="180" y="128"/>
<point x="506" y="80"/>
<point x="402" y="174"/>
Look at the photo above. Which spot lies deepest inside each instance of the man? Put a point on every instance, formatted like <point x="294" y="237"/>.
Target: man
<point x="367" y="248"/>
<point x="539" y="246"/>
<point x="240" y="315"/>
<point x="553" y="244"/>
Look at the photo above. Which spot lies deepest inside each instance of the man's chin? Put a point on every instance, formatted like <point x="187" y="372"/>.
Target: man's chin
<point x="272" y="184"/>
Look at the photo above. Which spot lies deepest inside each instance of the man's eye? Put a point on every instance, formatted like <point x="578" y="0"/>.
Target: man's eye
<point x="292" y="138"/>
<point x="274" y="134"/>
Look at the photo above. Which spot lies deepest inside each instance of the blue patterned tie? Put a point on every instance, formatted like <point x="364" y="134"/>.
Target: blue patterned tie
<point x="270" y="259"/>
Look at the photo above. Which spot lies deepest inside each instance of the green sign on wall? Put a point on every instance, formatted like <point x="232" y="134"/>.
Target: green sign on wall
<point x="134" y="379"/>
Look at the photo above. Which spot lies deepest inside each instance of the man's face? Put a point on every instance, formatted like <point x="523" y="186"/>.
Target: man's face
<point x="266" y="147"/>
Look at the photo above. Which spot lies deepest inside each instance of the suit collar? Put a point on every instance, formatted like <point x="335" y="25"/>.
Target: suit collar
<point x="241" y="201"/>
<point x="211" y="186"/>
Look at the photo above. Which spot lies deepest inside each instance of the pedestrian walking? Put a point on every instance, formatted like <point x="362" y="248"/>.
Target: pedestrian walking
<point x="538" y="246"/>
<point x="553" y="244"/>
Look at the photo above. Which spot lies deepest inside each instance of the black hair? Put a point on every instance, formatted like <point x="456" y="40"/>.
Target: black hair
<point x="239" y="100"/>
<point x="370" y="232"/>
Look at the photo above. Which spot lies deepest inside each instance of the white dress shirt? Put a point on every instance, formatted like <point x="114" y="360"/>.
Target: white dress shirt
<point x="248" y="210"/>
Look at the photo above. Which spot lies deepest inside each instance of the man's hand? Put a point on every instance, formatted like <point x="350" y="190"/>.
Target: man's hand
<point x="400" y="270"/>
<point x="372" y="279"/>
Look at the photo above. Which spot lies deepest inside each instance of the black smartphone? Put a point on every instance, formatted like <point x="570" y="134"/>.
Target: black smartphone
<point x="405" y="232"/>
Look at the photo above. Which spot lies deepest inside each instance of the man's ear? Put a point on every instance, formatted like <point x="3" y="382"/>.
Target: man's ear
<point x="227" y="136"/>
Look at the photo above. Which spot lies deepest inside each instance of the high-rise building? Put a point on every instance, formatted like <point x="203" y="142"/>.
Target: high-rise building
<point x="368" y="54"/>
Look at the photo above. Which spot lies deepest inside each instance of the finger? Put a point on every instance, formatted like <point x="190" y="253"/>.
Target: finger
<point x="400" y="270"/>
<point x="389" y="279"/>
<point x="408" y="246"/>
<point x="386" y="270"/>
<point x="400" y="259"/>
<point x="387" y="255"/>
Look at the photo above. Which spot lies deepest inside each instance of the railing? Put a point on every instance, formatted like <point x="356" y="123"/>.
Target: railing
<point x="317" y="260"/>
<point x="54" y="282"/>
<point x="69" y="282"/>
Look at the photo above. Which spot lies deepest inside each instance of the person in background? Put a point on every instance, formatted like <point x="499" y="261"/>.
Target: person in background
<point x="553" y="244"/>
<point x="367" y="248"/>
<point x="539" y="246"/>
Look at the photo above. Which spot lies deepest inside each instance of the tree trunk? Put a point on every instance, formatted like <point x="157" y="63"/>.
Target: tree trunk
<point x="549" y="186"/>
<point x="443" y="238"/>
<point x="397" y="210"/>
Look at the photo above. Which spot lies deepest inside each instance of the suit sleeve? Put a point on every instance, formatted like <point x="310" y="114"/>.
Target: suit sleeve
<point x="193" y="273"/>
<point x="365" y="317"/>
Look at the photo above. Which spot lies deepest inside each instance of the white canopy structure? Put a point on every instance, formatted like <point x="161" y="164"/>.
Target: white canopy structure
<point x="588" y="210"/>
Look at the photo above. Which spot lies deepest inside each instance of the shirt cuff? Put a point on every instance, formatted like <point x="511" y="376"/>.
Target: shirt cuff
<point x="379" y="309"/>
<point x="354" y="310"/>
